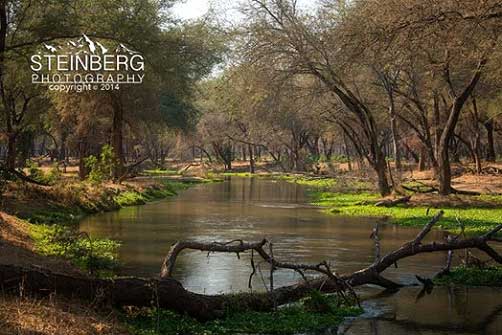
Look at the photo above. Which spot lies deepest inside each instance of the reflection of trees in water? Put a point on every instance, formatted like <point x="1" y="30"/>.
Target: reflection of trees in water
<point x="458" y="300"/>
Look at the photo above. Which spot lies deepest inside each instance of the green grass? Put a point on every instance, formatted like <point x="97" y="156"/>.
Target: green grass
<point x="476" y="220"/>
<point x="310" y="181"/>
<point x="166" y="189"/>
<point x="98" y="255"/>
<point x="325" y="184"/>
<point x="54" y="215"/>
<point x="237" y="174"/>
<point x="160" y="172"/>
<point x="54" y="229"/>
<point x="353" y="198"/>
<point x="461" y="275"/>
<point x="287" y="320"/>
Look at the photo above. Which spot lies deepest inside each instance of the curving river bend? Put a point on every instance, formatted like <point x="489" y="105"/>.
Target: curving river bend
<point x="254" y="208"/>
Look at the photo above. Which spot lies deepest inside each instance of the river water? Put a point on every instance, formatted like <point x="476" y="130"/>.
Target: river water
<point x="254" y="208"/>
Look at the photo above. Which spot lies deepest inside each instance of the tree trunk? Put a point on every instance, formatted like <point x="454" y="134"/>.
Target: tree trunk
<point x="117" y="139"/>
<point x="11" y="151"/>
<point x="347" y="153"/>
<point x="422" y="160"/>
<point x="490" y="156"/>
<point x="449" y="131"/>
<point x="83" y="171"/>
<point x="476" y="143"/>
<point x="251" y="159"/>
<point x="395" y="136"/>
<point x="381" y="170"/>
<point x="477" y="153"/>
<point x="444" y="170"/>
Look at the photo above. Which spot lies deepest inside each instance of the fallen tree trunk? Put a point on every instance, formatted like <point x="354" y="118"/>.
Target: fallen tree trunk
<point x="168" y="293"/>
<point x="163" y="293"/>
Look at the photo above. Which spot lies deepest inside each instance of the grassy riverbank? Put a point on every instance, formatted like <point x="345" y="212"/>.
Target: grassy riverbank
<point x="356" y="198"/>
<point x="470" y="276"/>
<point x="476" y="219"/>
<point x="51" y="215"/>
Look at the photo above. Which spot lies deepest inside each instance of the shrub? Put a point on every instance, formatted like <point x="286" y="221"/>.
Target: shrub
<point x="36" y="173"/>
<point x="100" y="169"/>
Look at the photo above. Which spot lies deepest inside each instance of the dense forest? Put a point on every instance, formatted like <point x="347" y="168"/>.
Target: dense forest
<point x="398" y="99"/>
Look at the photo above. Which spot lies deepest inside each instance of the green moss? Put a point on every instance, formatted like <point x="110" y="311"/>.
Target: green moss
<point x="287" y="320"/>
<point x="476" y="220"/>
<point x="461" y="275"/>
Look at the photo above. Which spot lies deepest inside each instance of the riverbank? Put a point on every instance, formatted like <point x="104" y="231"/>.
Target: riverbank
<point x="39" y="229"/>
<point x="63" y="316"/>
<point x="49" y="215"/>
<point x="150" y="321"/>
<point x="470" y="214"/>
<point x="353" y="197"/>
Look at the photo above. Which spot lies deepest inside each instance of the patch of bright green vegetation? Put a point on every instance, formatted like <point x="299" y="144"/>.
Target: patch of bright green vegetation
<point x="476" y="220"/>
<point x="167" y="189"/>
<point x="96" y="255"/>
<point x="312" y="315"/>
<point x="54" y="231"/>
<point x="160" y="172"/>
<point x="129" y="198"/>
<point x="323" y="183"/>
<point x="54" y="216"/>
<point x="36" y="173"/>
<point x="491" y="276"/>
<point x="238" y="174"/>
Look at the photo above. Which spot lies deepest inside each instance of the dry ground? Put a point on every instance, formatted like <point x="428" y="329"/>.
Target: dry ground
<point x="49" y="315"/>
<point x="54" y="316"/>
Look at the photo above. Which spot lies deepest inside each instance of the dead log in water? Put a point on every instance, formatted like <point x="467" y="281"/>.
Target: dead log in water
<point x="168" y="293"/>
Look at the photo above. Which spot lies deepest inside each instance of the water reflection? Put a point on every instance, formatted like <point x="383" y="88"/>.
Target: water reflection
<point x="249" y="209"/>
<point x="252" y="209"/>
<point x="447" y="310"/>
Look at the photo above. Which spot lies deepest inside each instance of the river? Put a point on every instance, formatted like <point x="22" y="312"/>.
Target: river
<point x="256" y="208"/>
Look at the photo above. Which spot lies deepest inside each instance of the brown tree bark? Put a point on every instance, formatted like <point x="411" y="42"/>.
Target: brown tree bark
<point x="489" y="126"/>
<point x="422" y="161"/>
<point x="251" y="159"/>
<point x="444" y="173"/>
<point x="11" y="151"/>
<point x="117" y="138"/>
<point x="83" y="171"/>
